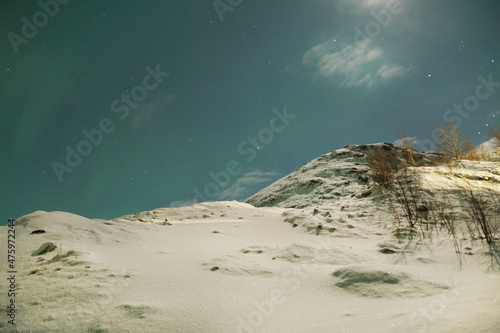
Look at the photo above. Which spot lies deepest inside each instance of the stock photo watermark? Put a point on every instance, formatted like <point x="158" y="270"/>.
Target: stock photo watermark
<point x="382" y="19"/>
<point x="458" y="112"/>
<point x="291" y="280"/>
<point x="222" y="6"/>
<point x="250" y="147"/>
<point x="436" y="307"/>
<point x="11" y="272"/>
<point x="30" y="28"/>
<point x="120" y="106"/>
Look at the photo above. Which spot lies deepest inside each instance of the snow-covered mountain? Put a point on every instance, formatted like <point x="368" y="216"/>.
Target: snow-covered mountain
<point x="492" y="145"/>
<point x="336" y="176"/>
<point x="342" y="181"/>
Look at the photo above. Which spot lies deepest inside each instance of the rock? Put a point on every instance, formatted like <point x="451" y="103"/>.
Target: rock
<point x="422" y="208"/>
<point x="364" y="194"/>
<point x="45" y="248"/>
<point x="39" y="231"/>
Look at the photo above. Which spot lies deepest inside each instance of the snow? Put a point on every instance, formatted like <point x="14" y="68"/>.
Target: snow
<point x="323" y="258"/>
<point x="491" y="145"/>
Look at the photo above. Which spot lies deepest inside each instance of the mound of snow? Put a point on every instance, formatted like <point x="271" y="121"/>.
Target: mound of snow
<point x="369" y="281"/>
<point x="205" y="212"/>
<point x="307" y="254"/>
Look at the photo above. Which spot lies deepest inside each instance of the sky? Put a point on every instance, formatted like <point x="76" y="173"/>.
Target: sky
<point x="116" y="107"/>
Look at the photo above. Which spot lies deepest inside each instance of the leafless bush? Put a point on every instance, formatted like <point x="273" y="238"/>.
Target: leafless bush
<point x="451" y="140"/>
<point x="484" y="221"/>
<point x="407" y="197"/>
<point x="495" y="199"/>
<point x="480" y="223"/>
<point x="472" y="153"/>
<point x="390" y="168"/>
<point x="442" y="215"/>
<point x="383" y="165"/>
<point x="443" y="159"/>
<point x="418" y="213"/>
<point x="407" y="153"/>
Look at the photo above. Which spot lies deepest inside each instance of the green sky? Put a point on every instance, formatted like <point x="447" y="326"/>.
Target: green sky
<point x="253" y="91"/>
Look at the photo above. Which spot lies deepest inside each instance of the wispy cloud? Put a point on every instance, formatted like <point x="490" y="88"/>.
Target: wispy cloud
<point x="406" y="141"/>
<point x="356" y="65"/>
<point x="366" y="49"/>
<point x="247" y="184"/>
<point x="242" y="188"/>
<point x="148" y="110"/>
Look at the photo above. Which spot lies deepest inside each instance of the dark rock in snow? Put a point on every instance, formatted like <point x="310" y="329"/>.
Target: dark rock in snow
<point x="45" y="248"/>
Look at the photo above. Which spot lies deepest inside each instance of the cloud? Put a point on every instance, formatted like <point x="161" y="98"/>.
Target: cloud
<point x="353" y="65"/>
<point x="149" y="109"/>
<point x="391" y="71"/>
<point x="412" y="142"/>
<point x="247" y="184"/>
<point x="368" y="49"/>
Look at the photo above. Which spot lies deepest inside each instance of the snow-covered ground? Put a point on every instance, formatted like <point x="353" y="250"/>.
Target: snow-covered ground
<point x="323" y="258"/>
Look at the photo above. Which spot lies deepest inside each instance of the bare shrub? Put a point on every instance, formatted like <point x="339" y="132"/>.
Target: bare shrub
<point x="442" y="159"/>
<point x="483" y="220"/>
<point x="407" y="195"/>
<point x="472" y="153"/>
<point x="419" y="213"/>
<point x="407" y="153"/>
<point x="451" y="140"/>
<point x="383" y="165"/>
<point x="390" y="168"/>
<point x="442" y="214"/>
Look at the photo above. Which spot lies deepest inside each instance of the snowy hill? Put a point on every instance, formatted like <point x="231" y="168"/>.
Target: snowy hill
<point x="325" y="258"/>
<point x="491" y="145"/>
<point x="341" y="183"/>
<point x="338" y="175"/>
